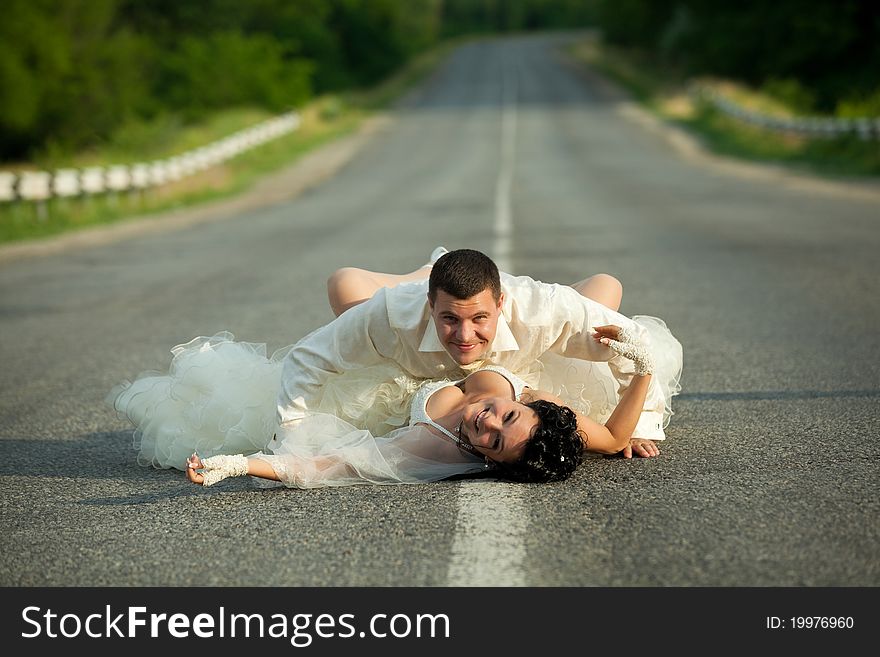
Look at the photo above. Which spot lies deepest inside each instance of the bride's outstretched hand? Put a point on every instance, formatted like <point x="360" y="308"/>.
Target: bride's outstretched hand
<point x="215" y="468"/>
<point x="627" y="344"/>
<point x="193" y="464"/>
<point x="640" y="447"/>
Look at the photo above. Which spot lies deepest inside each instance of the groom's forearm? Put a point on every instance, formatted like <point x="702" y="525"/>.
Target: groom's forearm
<point x="350" y="341"/>
<point x="302" y="376"/>
<point x="576" y="317"/>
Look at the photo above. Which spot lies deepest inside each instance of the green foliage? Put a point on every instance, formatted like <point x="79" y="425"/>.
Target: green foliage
<point x="476" y="16"/>
<point x="827" y="48"/>
<point x="636" y="23"/>
<point x="229" y="68"/>
<point x="73" y="72"/>
<point x="860" y="106"/>
<point x="65" y="72"/>
<point x="792" y="93"/>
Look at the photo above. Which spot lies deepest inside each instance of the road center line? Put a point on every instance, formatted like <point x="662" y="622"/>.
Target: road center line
<point x="492" y="520"/>
<point x="488" y="549"/>
<point x="503" y="224"/>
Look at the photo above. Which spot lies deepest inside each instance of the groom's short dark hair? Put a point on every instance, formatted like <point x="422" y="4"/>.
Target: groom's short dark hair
<point x="464" y="273"/>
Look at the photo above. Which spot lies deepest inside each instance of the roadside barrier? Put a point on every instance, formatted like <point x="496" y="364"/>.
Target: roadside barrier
<point x="866" y="128"/>
<point x="40" y="186"/>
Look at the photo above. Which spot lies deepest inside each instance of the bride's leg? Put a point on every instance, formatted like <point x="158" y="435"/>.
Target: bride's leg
<point x="603" y="288"/>
<point x="350" y="286"/>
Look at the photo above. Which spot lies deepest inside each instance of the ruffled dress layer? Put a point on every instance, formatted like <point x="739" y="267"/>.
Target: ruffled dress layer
<point x="218" y="397"/>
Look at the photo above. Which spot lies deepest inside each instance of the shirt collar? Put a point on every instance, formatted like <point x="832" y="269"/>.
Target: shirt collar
<point x="504" y="339"/>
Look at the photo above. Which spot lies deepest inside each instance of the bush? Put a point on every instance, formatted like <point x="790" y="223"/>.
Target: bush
<point x="228" y="69"/>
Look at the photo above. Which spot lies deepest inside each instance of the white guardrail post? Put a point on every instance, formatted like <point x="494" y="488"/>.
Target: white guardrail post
<point x="41" y="186"/>
<point x="7" y="186"/>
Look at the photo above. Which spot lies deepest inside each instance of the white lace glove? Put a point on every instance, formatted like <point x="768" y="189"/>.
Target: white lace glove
<point x="629" y="346"/>
<point x="217" y="468"/>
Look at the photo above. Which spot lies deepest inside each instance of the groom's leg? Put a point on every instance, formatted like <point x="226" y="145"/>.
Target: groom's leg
<point x="603" y="288"/>
<point x="350" y="286"/>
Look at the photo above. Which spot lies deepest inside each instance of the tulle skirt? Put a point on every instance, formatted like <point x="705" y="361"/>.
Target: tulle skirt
<point x="219" y="397"/>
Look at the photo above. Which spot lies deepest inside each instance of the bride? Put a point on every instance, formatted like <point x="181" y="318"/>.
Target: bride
<point x="488" y="419"/>
<point x="218" y="397"/>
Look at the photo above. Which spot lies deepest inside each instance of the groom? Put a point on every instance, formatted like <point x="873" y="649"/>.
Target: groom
<point x="465" y="316"/>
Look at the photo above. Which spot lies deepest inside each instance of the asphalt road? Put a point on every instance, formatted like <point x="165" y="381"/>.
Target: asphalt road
<point x="769" y="474"/>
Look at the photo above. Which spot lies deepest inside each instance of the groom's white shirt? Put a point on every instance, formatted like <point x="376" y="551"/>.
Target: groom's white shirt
<point x="396" y="324"/>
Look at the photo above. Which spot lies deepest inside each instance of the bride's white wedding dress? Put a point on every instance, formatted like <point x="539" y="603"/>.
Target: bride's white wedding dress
<point x="219" y="397"/>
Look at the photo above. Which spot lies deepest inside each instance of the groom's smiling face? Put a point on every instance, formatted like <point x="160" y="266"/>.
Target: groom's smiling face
<point x="466" y="327"/>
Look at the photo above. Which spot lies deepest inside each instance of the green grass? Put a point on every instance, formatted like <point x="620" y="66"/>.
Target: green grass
<point x="322" y="120"/>
<point x="663" y="90"/>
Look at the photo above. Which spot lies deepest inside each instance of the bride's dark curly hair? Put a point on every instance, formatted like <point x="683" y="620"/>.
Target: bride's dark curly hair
<point x="555" y="449"/>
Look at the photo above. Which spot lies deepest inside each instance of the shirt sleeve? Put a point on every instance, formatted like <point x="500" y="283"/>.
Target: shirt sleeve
<point x="573" y="318"/>
<point x="359" y="337"/>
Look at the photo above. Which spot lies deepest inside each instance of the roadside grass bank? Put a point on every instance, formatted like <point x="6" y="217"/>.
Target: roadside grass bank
<point x="666" y="92"/>
<point x="322" y="120"/>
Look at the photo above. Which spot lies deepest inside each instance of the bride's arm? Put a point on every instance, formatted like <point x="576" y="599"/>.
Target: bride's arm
<point x="215" y="469"/>
<point x="616" y="434"/>
<point x="319" y="454"/>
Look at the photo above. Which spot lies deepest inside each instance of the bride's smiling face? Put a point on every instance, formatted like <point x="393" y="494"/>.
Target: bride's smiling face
<point x="498" y="428"/>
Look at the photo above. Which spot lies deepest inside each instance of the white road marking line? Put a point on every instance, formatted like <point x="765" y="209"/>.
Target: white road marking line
<point x="489" y="549"/>
<point x="489" y="546"/>
<point x="503" y="226"/>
